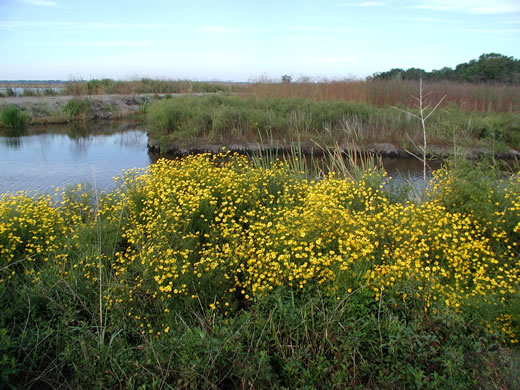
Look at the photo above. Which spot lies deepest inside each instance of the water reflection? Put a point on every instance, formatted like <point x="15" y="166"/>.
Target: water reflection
<point x="11" y="142"/>
<point x="77" y="153"/>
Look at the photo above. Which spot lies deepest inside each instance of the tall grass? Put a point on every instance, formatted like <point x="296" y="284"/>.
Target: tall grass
<point x="209" y="272"/>
<point x="231" y="118"/>
<point x="12" y="118"/>
<point x="146" y="85"/>
<point x="465" y="96"/>
<point x="77" y="109"/>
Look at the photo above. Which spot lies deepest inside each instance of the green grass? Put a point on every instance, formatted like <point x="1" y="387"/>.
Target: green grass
<point x="14" y="119"/>
<point x="75" y="313"/>
<point x="146" y="85"/>
<point x="232" y="118"/>
<point x="77" y="109"/>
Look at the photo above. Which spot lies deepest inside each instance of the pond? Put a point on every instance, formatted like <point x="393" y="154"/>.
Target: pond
<point x="58" y="155"/>
<point x="80" y="153"/>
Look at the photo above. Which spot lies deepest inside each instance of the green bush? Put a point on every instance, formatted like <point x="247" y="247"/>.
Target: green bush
<point x="13" y="118"/>
<point x="77" y="109"/>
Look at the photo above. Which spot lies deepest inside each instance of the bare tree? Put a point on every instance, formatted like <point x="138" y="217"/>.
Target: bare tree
<point x="420" y="104"/>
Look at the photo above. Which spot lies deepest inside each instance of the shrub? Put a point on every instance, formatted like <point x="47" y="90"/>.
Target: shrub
<point x="77" y="109"/>
<point x="13" y="118"/>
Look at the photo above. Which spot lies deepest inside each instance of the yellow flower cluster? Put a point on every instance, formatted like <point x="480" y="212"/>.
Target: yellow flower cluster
<point x="30" y="229"/>
<point x="215" y="228"/>
<point x="219" y="231"/>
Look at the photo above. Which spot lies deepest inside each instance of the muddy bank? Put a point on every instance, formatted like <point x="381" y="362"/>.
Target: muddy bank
<point x="50" y="109"/>
<point x="386" y="150"/>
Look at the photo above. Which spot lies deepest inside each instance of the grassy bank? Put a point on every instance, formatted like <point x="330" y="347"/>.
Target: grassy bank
<point x="232" y="118"/>
<point x="146" y="85"/>
<point x="211" y="272"/>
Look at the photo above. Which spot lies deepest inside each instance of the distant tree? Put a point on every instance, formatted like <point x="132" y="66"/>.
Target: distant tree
<point x="414" y="74"/>
<point x="497" y="67"/>
<point x="392" y="74"/>
<point x="445" y="73"/>
<point x="468" y="71"/>
<point x="491" y="67"/>
<point x="286" y="78"/>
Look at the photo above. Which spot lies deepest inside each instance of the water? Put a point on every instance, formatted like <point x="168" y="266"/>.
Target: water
<point x="55" y="156"/>
<point x="19" y="91"/>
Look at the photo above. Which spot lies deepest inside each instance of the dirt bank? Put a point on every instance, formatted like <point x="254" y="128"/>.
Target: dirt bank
<point x="308" y="148"/>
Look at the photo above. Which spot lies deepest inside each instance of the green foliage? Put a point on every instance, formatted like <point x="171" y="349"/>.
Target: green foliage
<point x="145" y="85"/>
<point x="13" y="118"/>
<point x="490" y="67"/>
<point x="327" y="123"/>
<point x="77" y="109"/>
<point x="66" y="307"/>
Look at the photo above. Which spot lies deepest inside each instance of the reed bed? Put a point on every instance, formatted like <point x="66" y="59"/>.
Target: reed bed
<point x="465" y="96"/>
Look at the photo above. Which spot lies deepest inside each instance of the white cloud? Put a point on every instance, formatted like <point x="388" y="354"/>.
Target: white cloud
<point x="214" y="29"/>
<point x="120" y="43"/>
<point x="427" y="19"/>
<point x="363" y="4"/>
<point x="483" y="7"/>
<point x="220" y="29"/>
<point x="26" y="24"/>
<point x="371" y="4"/>
<point x="41" y="3"/>
<point x="333" y="60"/>
<point x="491" y="30"/>
<point x="111" y="26"/>
<point x="322" y="29"/>
<point x="512" y="21"/>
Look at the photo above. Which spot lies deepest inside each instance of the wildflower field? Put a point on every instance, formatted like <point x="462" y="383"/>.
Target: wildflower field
<point x="214" y="272"/>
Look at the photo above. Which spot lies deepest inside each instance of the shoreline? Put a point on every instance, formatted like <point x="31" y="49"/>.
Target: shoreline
<point x="45" y="110"/>
<point x="50" y="109"/>
<point x="386" y="150"/>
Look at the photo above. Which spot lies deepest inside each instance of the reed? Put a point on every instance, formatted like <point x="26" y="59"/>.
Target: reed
<point x="465" y="96"/>
<point x="13" y="118"/>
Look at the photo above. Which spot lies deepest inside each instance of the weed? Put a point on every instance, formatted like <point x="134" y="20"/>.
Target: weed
<point x="13" y="118"/>
<point x="233" y="118"/>
<point x="77" y="109"/>
<point x="211" y="272"/>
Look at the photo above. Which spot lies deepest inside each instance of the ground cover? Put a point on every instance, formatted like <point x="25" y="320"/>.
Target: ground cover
<point x="223" y="119"/>
<point x="216" y="272"/>
<point x="483" y="97"/>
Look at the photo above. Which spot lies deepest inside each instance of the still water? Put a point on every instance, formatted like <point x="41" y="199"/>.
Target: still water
<point x="55" y="156"/>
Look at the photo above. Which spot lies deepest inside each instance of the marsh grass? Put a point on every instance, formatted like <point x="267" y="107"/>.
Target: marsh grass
<point x="233" y="118"/>
<point x="77" y="109"/>
<point x="146" y="85"/>
<point x="380" y="93"/>
<point x="13" y="119"/>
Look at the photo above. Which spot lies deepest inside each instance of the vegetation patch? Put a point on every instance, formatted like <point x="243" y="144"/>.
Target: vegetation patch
<point x="213" y="272"/>
<point x="146" y="85"/>
<point x="325" y="123"/>
<point x="12" y="118"/>
<point x="77" y="109"/>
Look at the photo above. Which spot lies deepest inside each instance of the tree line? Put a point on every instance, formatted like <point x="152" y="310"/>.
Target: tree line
<point x="492" y="67"/>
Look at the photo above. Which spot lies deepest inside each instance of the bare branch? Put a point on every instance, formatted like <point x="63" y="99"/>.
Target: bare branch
<point x="438" y="104"/>
<point x="406" y="112"/>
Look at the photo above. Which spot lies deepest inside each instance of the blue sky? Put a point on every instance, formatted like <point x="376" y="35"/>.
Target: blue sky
<point x="248" y="39"/>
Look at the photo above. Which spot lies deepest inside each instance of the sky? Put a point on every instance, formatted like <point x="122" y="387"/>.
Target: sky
<point x="247" y="40"/>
